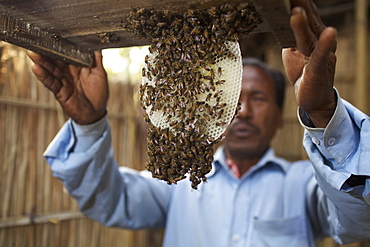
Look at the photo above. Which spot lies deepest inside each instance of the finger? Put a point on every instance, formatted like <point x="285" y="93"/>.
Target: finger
<point x="85" y="71"/>
<point x="98" y="58"/>
<point x="45" y="71"/>
<point x="323" y="52"/>
<point x="45" y="78"/>
<point x="98" y="66"/>
<point x="305" y="38"/>
<point x="54" y="69"/>
<point x="314" y="20"/>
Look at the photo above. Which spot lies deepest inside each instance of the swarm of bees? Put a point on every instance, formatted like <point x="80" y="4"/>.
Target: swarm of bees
<point x="183" y="83"/>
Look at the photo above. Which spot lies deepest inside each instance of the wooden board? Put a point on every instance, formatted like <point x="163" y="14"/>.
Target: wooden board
<point x="72" y="29"/>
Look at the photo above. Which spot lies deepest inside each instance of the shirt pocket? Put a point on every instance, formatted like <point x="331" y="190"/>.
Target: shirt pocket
<point x="280" y="232"/>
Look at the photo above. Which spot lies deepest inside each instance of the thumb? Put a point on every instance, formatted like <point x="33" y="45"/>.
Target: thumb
<point x="293" y="62"/>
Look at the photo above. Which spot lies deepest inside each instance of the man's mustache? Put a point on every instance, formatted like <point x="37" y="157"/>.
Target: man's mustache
<point x="236" y="123"/>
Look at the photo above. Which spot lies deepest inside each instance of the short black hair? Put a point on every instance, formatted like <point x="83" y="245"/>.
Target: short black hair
<point x="276" y="75"/>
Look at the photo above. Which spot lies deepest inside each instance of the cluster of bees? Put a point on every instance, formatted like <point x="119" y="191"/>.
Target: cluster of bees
<point x="179" y="91"/>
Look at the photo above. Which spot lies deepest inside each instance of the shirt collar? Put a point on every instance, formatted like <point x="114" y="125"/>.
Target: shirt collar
<point x="268" y="158"/>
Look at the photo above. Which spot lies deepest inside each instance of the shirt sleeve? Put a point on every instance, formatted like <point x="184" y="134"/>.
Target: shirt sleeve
<point x="88" y="134"/>
<point x="337" y="152"/>
<point x="344" y="143"/>
<point x="82" y="158"/>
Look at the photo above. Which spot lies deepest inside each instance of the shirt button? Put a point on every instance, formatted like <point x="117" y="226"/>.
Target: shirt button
<point x="315" y="141"/>
<point x="331" y="141"/>
<point x="235" y="237"/>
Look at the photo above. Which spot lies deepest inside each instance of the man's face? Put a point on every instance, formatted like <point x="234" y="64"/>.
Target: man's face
<point x="250" y="133"/>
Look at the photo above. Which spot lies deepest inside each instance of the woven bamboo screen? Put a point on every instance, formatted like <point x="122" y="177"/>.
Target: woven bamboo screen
<point x="35" y="210"/>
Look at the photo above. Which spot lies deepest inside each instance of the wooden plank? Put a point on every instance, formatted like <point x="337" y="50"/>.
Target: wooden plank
<point x="87" y="21"/>
<point x="30" y="37"/>
<point x="276" y="13"/>
<point x="71" y="28"/>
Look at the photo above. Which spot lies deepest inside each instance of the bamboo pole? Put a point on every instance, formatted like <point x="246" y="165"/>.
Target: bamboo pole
<point x="9" y="168"/>
<point x="14" y="101"/>
<point x="40" y="219"/>
<point x="22" y="161"/>
<point x="361" y="15"/>
<point x="30" y="103"/>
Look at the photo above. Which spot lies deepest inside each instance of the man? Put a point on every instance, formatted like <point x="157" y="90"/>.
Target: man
<point x="252" y="197"/>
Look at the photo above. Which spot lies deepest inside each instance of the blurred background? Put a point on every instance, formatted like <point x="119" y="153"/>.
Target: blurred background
<point x="35" y="209"/>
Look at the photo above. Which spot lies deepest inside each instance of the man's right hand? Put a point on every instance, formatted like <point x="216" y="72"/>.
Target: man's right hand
<point x="82" y="92"/>
<point x="310" y="66"/>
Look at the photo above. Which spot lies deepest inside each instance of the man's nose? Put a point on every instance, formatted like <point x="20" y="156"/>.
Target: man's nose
<point x="245" y="110"/>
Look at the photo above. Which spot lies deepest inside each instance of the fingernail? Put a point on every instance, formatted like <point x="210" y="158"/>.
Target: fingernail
<point x="299" y="11"/>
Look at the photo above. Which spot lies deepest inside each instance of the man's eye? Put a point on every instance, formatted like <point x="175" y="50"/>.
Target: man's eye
<point x="259" y="98"/>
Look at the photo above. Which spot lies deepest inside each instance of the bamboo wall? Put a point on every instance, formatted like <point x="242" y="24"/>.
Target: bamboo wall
<point x="35" y="209"/>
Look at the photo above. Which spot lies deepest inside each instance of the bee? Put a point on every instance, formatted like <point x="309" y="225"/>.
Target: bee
<point x="168" y="118"/>
<point x="219" y="71"/>
<point x="220" y="113"/>
<point x="190" y="154"/>
<point x="218" y="93"/>
<point x="223" y="105"/>
<point x="197" y="77"/>
<point x="208" y="97"/>
<point x="212" y="73"/>
<point x="173" y="123"/>
<point x="202" y="52"/>
<point x="206" y="117"/>
<point x="207" y="67"/>
<point x="166" y="159"/>
<point x="194" y="150"/>
<point x="149" y="76"/>
<point x="16" y="30"/>
<point x="56" y="37"/>
<point x="220" y="82"/>
<point x="206" y="34"/>
<point x="195" y="31"/>
<point x="220" y="124"/>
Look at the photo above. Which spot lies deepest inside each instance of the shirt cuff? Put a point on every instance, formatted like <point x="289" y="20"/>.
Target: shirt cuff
<point x="338" y="139"/>
<point x="87" y="135"/>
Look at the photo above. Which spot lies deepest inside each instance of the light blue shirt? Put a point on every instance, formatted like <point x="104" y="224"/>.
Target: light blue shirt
<point x="276" y="203"/>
